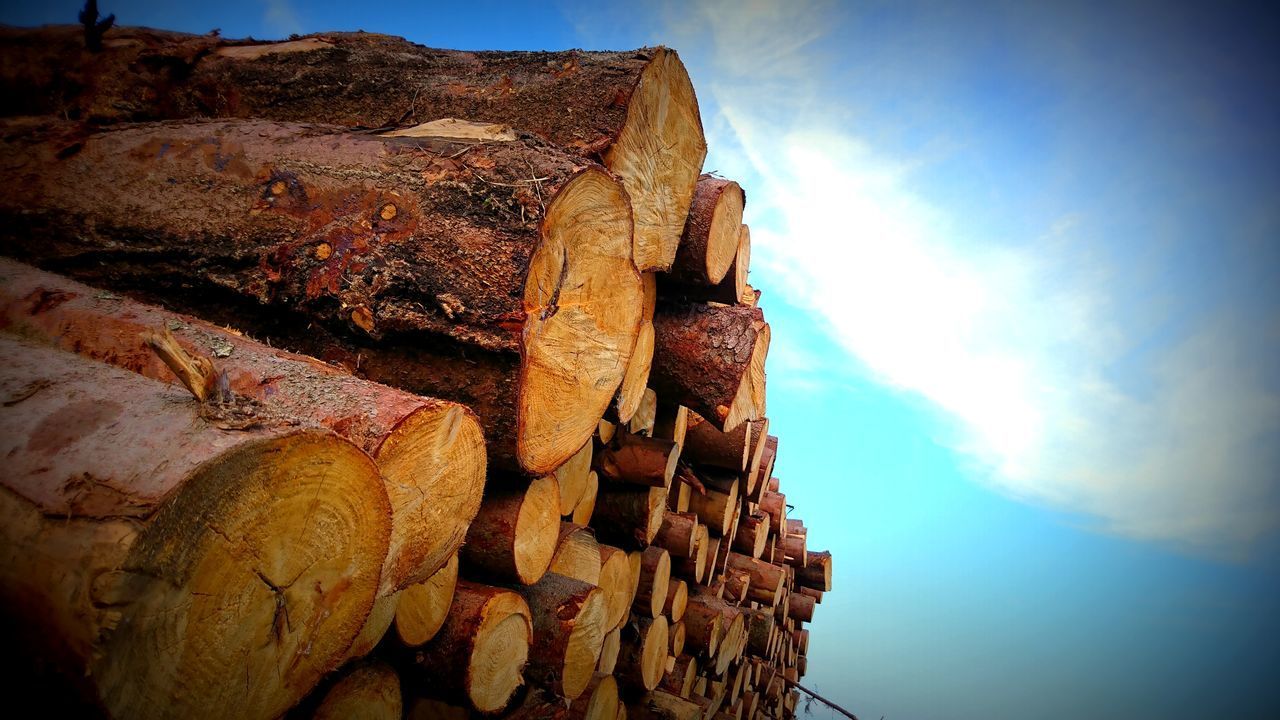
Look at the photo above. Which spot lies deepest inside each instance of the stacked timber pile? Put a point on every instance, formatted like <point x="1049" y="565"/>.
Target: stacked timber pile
<point x="515" y="461"/>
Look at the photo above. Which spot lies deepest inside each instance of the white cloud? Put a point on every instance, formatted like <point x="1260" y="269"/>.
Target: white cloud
<point x="1015" y="344"/>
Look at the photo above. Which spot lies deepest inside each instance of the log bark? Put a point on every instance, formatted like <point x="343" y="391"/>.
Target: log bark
<point x="655" y="577"/>
<point x="479" y="655"/>
<point x="629" y="516"/>
<point x="514" y="535"/>
<point x="753" y="533"/>
<point x="706" y="446"/>
<point x="365" y="692"/>
<point x="138" y="523"/>
<point x="794" y="547"/>
<point x="615" y="581"/>
<point x="702" y="626"/>
<point x="767" y="579"/>
<point x="634" y="111"/>
<point x="775" y="504"/>
<point x="710" y="358"/>
<point x="678" y="534"/>
<point x="410" y="251"/>
<point x="811" y="592"/>
<point x="577" y="554"/>
<point x="800" y="607"/>
<point x="638" y="460"/>
<point x="679" y="680"/>
<point x="642" y="659"/>
<point x="569" y="625"/>
<point x="709" y="243"/>
<point x="694" y="568"/>
<point x="430" y="452"/>
<point x="422" y="607"/>
<point x="599" y="701"/>
<point x="716" y="509"/>
<point x="817" y="571"/>
<point x="760" y="631"/>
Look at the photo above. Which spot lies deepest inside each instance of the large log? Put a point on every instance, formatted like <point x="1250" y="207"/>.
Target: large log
<point x="138" y="524"/>
<point x="478" y="657"/>
<point x="710" y="240"/>
<point x="710" y="358"/>
<point x="408" y="251"/>
<point x="422" y="607"/>
<point x="706" y="446"/>
<point x="514" y="535"/>
<point x="817" y="571"/>
<point x="430" y="452"/>
<point x="634" y="111"/>
<point x="569" y="625"/>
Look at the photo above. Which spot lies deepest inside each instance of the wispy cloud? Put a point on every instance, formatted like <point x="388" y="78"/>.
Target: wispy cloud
<point x="1016" y="342"/>
<point x="281" y="17"/>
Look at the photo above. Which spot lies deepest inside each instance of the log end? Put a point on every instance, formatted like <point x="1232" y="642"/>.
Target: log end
<point x="749" y="401"/>
<point x="496" y="667"/>
<point x="423" y="606"/>
<point x="537" y="530"/>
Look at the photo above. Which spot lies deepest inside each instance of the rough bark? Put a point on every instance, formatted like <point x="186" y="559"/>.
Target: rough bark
<point x="678" y="534"/>
<point x="511" y="248"/>
<point x="123" y="499"/>
<point x="817" y="571"/>
<point x="629" y="516"/>
<point x="800" y="607"/>
<point x="679" y="680"/>
<point x="710" y="358"/>
<point x="760" y="631"/>
<point x="643" y="654"/>
<point x="706" y="446"/>
<point x="709" y="243"/>
<point x="514" y="535"/>
<point x="568" y="630"/>
<point x="431" y="452"/>
<point x="753" y="533"/>
<point x="716" y="509"/>
<point x="702" y="626"/>
<point x="638" y="460"/>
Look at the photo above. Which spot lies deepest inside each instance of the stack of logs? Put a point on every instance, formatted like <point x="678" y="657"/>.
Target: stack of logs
<point x="515" y="461"/>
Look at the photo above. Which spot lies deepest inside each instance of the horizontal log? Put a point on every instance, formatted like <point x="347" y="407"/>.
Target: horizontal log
<point x="514" y="535"/>
<point x="709" y="243"/>
<point x="422" y="607"/>
<point x="569" y="618"/>
<point x="817" y="571"/>
<point x="369" y="690"/>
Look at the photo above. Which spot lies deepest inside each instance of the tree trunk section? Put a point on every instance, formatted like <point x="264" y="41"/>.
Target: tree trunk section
<point x="817" y="571"/>
<point x="678" y="534"/>
<point x="615" y="581"/>
<point x="514" y="535"/>
<point x="422" y="607"/>
<point x="655" y="577"/>
<point x="577" y="554"/>
<point x="643" y="656"/>
<point x="366" y="692"/>
<point x="638" y="460"/>
<point x="569" y="625"/>
<point x="629" y="516"/>
<point x="599" y="701"/>
<point x="709" y="244"/>
<point x="706" y="446"/>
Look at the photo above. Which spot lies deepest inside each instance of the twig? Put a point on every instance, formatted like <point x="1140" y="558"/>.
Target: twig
<point x="195" y="372"/>
<point x="822" y="700"/>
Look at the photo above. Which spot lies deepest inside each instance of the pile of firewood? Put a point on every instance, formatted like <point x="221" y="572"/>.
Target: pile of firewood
<point x="515" y="460"/>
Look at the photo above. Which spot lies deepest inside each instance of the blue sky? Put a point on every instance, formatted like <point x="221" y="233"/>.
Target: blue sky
<point x="1020" y="265"/>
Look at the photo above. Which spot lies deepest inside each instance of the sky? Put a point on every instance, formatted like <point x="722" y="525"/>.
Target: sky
<point x="1020" y="262"/>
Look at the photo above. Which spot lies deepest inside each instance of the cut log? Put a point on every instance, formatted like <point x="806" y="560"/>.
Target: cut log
<point x="817" y="571"/>
<point x="800" y="607"/>
<point x="134" y="530"/>
<point x="764" y="471"/>
<point x="695" y="568"/>
<point x="599" y="701"/>
<point x="636" y="380"/>
<point x="811" y="592"/>
<point x="642" y="659"/>
<point x="615" y="581"/>
<point x="678" y="534"/>
<point x="717" y="509"/>
<point x="587" y="504"/>
<point x="802" y="641"/>
<point x="767" y="579"/>
<point x="706" y="446"/>
<point x="646" y="415"/>
<point x="655" y="577"/>
<point x="702" y="626"/>
<point x="431" y="452"/>
<point x="679" y="680"/>
<point x="710" y="240"/>
<point x="775" y="504"/>
<point x="392" y="244"/>
<point x="671" y="422"/>
<point x="753" y="533"/>
<point x="675" y="634"/>
<point x="569" y="619"/>
<point x="422" y="607"/>
<point x="629" y="516"/>
<point x="710" y="358"/>
<point x="760" y="631"/>
<point x="759" y="440"/>
<point x="577" y="554"/>
<point x="513" y="537"/>
<point x="794" y="547"/>
<point x="736" y="278"/>
<point x="662" y="705"/>
<point x="573" y="477"/>
<point x="609" y="649"/>
<point x="375" y="625"/>
<point x="365" y="692"/>
<point x="638" y="460"/>
<point x="605" y="431"/>
<point x="737" y="583"/>
<point x="479" y="655"/>
<point x="677" y="598"/>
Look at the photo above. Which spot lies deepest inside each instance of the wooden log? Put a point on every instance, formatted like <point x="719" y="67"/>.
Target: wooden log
<point x="811" y="592"/>
<point x="605" y="431"/>
<point x="631" y="394"/>
<point x="422" y="607"/>
<point x="573" y="477"/>
<point x="695" y="568"/>
<point x="702" y="625"/>
<point x="577" y="554"/>
<point x="646" y="415"/>
<point x="586" y="506"/>
<point x="794" y="548"/>
<point x="638" y="460"/>
<point x="615" y="581"/>
<point x="642" y="659"/>
<point x="663" y="705"/>
<point x="759" y="440"/>
<point x="817" y="571"/>
<point x="569" y="625"/>
<point x="737" y="585"/>
<point x="367" y="692"/>
<point x="675" y="634"/>
<point x="767" y="579"/>
<point x="717" y="508"/>
<point x="599" y="701"/>
<point x="678" y="534"/>
<point x="430" y="452"/>
<point x="710" y="240"/>
<point x="478" y="656"/>
<point x="802" y="641"/>
<point x="609" y="650"/>
<point x="706" y="446"/>
<point x="760" y="629"/>
<point x="677" y="599"/>
<point x="671" y="423"/>
<point x="680" y="499"/>
<point x="376" y="625"/>
<point x="775" y="504"/>
<point x="361" y="234"/>
<point x="629" y="516"/>
<point x="710" y="358"/>
<point x="764" y="472"/>
<point x="679" y="680"/>
<point x="655" y="577"/>
<point x="514" y="535"/>
<point x="753" y="533"/>
<point x="124" y="499"/>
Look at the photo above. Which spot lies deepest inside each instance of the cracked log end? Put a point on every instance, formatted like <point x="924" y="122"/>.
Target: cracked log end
<point x="496" y="667"/>
<point x="583" y="302"/>
<point x="658" y="154"/>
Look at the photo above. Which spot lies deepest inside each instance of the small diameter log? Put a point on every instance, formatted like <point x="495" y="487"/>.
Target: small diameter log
<point x="609" y="649"/>
<point x="716" y="509"/>
<point x="587" y="504"/>
<point x="629" y="516"/>
<point x="760" y="631"/>
<point x="817" y="571"/>
<point x="646" y="415"/>
<point x="706" y="446"/>
<point x="794" y="547"/>
<point x="676" y="635"/>
<point x="732" y="626"/>
<point x="573" y="477"/>
<point x="679" y="501"/>
<point x="709" y="244"/>
<point x="638" y="460"/>
<point x="702" y="626"/>
<point x="796" y="526"/>
<point x="577" y="554"/>
<point x="512" y="251"/>
<point x="569" y="625"/>
<point x="635" y="381"/>
<point x="135" y="522"/>
<point x="677" y="599"/>
<point x="811" y="592"/>
<point x="605" y="431"/>
<point x="662" y="705"/>
<point x="366" y="692"/>
<point x="642" y="659"/>
<point x="802" y="641"/>
<point x="679" y="680"/>
<point x="775" y="504"/>
<point x="513" y="537"/>
<point x="478" y="657"/>
<point x="431" y="452"/>
<point x="655" y="577"/>
<point x="678" y="534"/>
<point x="671" y="422"/>
<point x="752" y="535"/>
<point x="767" y="579"/>
<point x="615" y="581"/>
<point x="761" y="479"/>
<point x="759" y="441"/>
<point x="710" y="358"/>
<point x="422" y="607"/>
<point x="599" y="701"/>
<point x="736" y="585"/>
